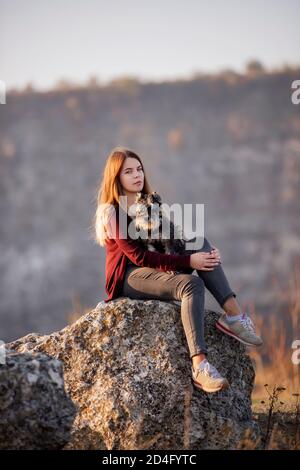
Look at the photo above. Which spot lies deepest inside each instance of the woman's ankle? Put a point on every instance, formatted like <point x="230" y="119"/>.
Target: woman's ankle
<point x="197" y="359"/>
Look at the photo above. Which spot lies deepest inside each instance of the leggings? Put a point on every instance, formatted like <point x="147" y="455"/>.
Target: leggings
<point x="149" y="283"/>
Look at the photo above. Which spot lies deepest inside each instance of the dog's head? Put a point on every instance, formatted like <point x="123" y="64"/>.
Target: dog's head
<point x="148" y="201"/>
<point x="147" y="207"/>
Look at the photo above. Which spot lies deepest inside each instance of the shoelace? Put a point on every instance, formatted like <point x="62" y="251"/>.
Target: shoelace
<point x="247" y="323"/>
<point x="210" y="371"/>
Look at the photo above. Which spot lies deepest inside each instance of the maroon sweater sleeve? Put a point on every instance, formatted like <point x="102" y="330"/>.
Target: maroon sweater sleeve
<point x="145" y="258"/>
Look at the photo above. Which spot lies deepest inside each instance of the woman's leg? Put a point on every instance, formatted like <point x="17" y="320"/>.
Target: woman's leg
<point x="233" y="323"/>
<point x="149" y="283"/>
<point x="217" y="283"/>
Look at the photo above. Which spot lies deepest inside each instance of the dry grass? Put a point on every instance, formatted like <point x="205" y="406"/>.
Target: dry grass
<point x="276" y="404"/>
<point x="280" y="429"/>
<point x="273" y="361"/>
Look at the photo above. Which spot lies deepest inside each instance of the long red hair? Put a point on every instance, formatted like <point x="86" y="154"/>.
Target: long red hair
<point x="111" y="189"/>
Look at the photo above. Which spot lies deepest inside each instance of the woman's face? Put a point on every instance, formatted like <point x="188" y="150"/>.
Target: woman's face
<point x="132" y="176"/>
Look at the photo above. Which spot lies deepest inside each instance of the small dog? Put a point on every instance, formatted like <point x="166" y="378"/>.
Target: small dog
<point x="150" y="221"/>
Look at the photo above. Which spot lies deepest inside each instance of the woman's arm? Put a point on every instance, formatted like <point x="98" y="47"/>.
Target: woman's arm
<point x="152" y="259"/>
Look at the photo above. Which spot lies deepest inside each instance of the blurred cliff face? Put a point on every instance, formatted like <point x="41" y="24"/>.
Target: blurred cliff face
<point x="231" y="142"/>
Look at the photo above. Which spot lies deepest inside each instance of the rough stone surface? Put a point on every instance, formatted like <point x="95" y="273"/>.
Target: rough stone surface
<point x="127" y="368"/>
<point x="35" y="412"/>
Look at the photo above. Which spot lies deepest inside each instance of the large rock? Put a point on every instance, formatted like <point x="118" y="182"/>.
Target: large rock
<point x="127" y="368"/>
<point x="35" y="412"/>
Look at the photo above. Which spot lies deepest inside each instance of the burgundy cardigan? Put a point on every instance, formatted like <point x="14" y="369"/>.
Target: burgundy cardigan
<point x="119" y="249"/>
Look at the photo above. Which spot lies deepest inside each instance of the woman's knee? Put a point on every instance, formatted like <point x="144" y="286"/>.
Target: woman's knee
<point x="202" y="244"/>
<point x="191" y="283"/>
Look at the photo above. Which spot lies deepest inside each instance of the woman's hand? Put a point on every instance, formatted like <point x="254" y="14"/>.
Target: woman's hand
<point x="216" y="252"/>
<point x="205" y="261"/>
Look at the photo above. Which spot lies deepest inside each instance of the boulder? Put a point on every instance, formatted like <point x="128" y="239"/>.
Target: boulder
<point x="127" y="369"/>
<point x="35" y="411"/>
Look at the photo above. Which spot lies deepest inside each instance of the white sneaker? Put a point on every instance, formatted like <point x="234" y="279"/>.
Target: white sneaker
<point x="206" y="377"/>
<point x="242" y="330"/>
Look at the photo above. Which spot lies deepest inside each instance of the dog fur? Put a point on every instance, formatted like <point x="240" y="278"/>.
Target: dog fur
<point x="150" y="220"/>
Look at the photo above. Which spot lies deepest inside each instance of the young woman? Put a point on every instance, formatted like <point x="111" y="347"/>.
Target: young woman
<point x="135" y="272"/>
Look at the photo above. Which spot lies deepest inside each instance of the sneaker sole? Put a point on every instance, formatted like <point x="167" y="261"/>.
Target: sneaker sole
<point x="198" y="386"/>
<point x="230" y="333"/>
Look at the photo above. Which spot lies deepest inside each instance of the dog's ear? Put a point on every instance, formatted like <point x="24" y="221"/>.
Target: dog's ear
<point x="156" y="197"/>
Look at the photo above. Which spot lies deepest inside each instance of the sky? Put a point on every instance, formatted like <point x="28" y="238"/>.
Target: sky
<point x="45" y="41"/>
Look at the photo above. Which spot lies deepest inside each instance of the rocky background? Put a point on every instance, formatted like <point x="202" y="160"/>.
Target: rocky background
<point x="230" y="141"/>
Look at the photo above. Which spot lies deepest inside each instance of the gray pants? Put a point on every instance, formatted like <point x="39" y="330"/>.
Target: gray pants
<point x="149" y="283"/>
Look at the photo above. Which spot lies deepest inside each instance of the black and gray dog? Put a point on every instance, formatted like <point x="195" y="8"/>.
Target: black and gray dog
<point x="157" y="232"/>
